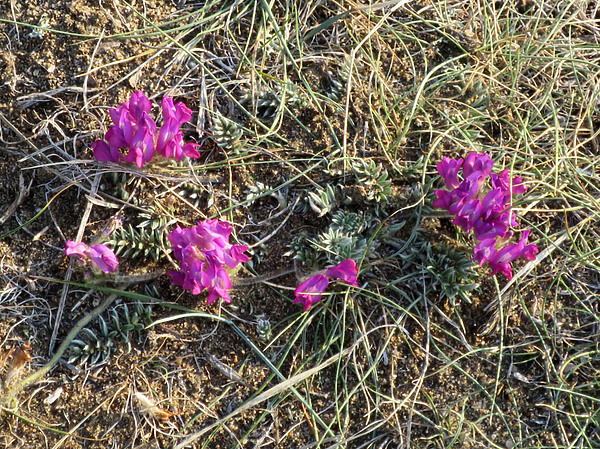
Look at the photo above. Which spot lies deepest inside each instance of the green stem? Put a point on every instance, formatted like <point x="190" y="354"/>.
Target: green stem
<point x="61" y="350"/>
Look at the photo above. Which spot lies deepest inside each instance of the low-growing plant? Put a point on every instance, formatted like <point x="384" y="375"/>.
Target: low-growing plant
<point x="122" y="323"/>
<point x="196" y="194"/>
<point x="374" y="179"/>
<point x="144" y="241"/>
<point x="338" y="81"/>
<point x="443" y="269"/>
<point x="227" y="133"/>
<point x="259" y="190"/>
<point x="264" y="329"/>
<point x="267" y="102"/>
<point x="349" y="236"/>
<point x="323" y="201"/>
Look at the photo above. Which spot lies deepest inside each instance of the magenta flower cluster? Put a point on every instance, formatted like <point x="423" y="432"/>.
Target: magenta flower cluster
<point x="206" y="258"/>
<point x="99" y="257"/>
<point x="311" y="290"/>
<point x="205" y="255"/>
<point x="481" y="201"/>
<point x="134" y="131"/>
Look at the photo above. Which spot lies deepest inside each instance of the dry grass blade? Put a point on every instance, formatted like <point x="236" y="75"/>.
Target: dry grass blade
<point x="21" y="194"/>
<point x="149" y="407"/>
<point x="271" y="392"/>
<point x="527" y="268"/>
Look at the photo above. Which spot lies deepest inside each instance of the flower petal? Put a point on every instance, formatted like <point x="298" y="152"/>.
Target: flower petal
<point x="448" y="169"/>
<point x="75" y="249"/>
<point x="346" y="271"/>
<point x="103" y="258"/>
<point x="311" y="290"/>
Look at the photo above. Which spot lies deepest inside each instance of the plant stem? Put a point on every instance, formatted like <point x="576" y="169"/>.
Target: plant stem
<point x="61" y="349"/>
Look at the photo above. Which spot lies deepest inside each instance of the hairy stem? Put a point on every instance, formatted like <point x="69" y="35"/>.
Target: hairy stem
<point x="60" y="351"/>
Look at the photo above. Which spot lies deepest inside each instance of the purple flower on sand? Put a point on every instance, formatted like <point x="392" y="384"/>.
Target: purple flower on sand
<point x="170" y="139"/>
<point x="487" y="212"/>
<point x="311" y="290"/>
<point x="103" y="258"/>
<point x="98" y="256"/>
<point x="78" y="250"/>
<point x="134" y="131"/>
<point x="206" y="258"/>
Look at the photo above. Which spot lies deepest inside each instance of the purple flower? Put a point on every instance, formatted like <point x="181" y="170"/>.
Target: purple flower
<point x="468" y="214"/>
<point x="181" y="243"/>
<point x="179" y="112"/>
<point x="105" y="153"/>
<point x="194" y="276"/>
<point x="311" y="290"/>
<point x="477" y="163"/>
<point x="78" y="250"/>
<point x="139" y="105"/>
<point x="134" y="131"/>
<point x="215" y="238"/>
<point x="500" y="260"/>
<point x="454" y="201"/>
<point x="141" y="147"/>
<point x="493" y="204"/>
<point x="448" y="169"/>
<point x="170" y="140"/>
<point x="444" y="199"/>
<point x="103" y="258"/>
<point x="485" y="211"/>
<point x="485" y="250"/>
<point x="98" y="256"/>
<point x="489" y="229"/>
<point x="178" y="277"/>
<point x="206" y="258"/>
<point x="503" y="183"/>
<point x="218" y="283"/>
<point x="346" y="271"/>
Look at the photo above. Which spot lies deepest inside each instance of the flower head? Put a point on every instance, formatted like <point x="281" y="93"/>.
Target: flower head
<point x="485" y="211"/>
<point x="134" y="132"/>
<point x="311" y="290"/>
<point x="133" y="129"/>
<point x="206" y="258"/>
<point x="103" y="258"/>
<point x="99" y="257"/>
